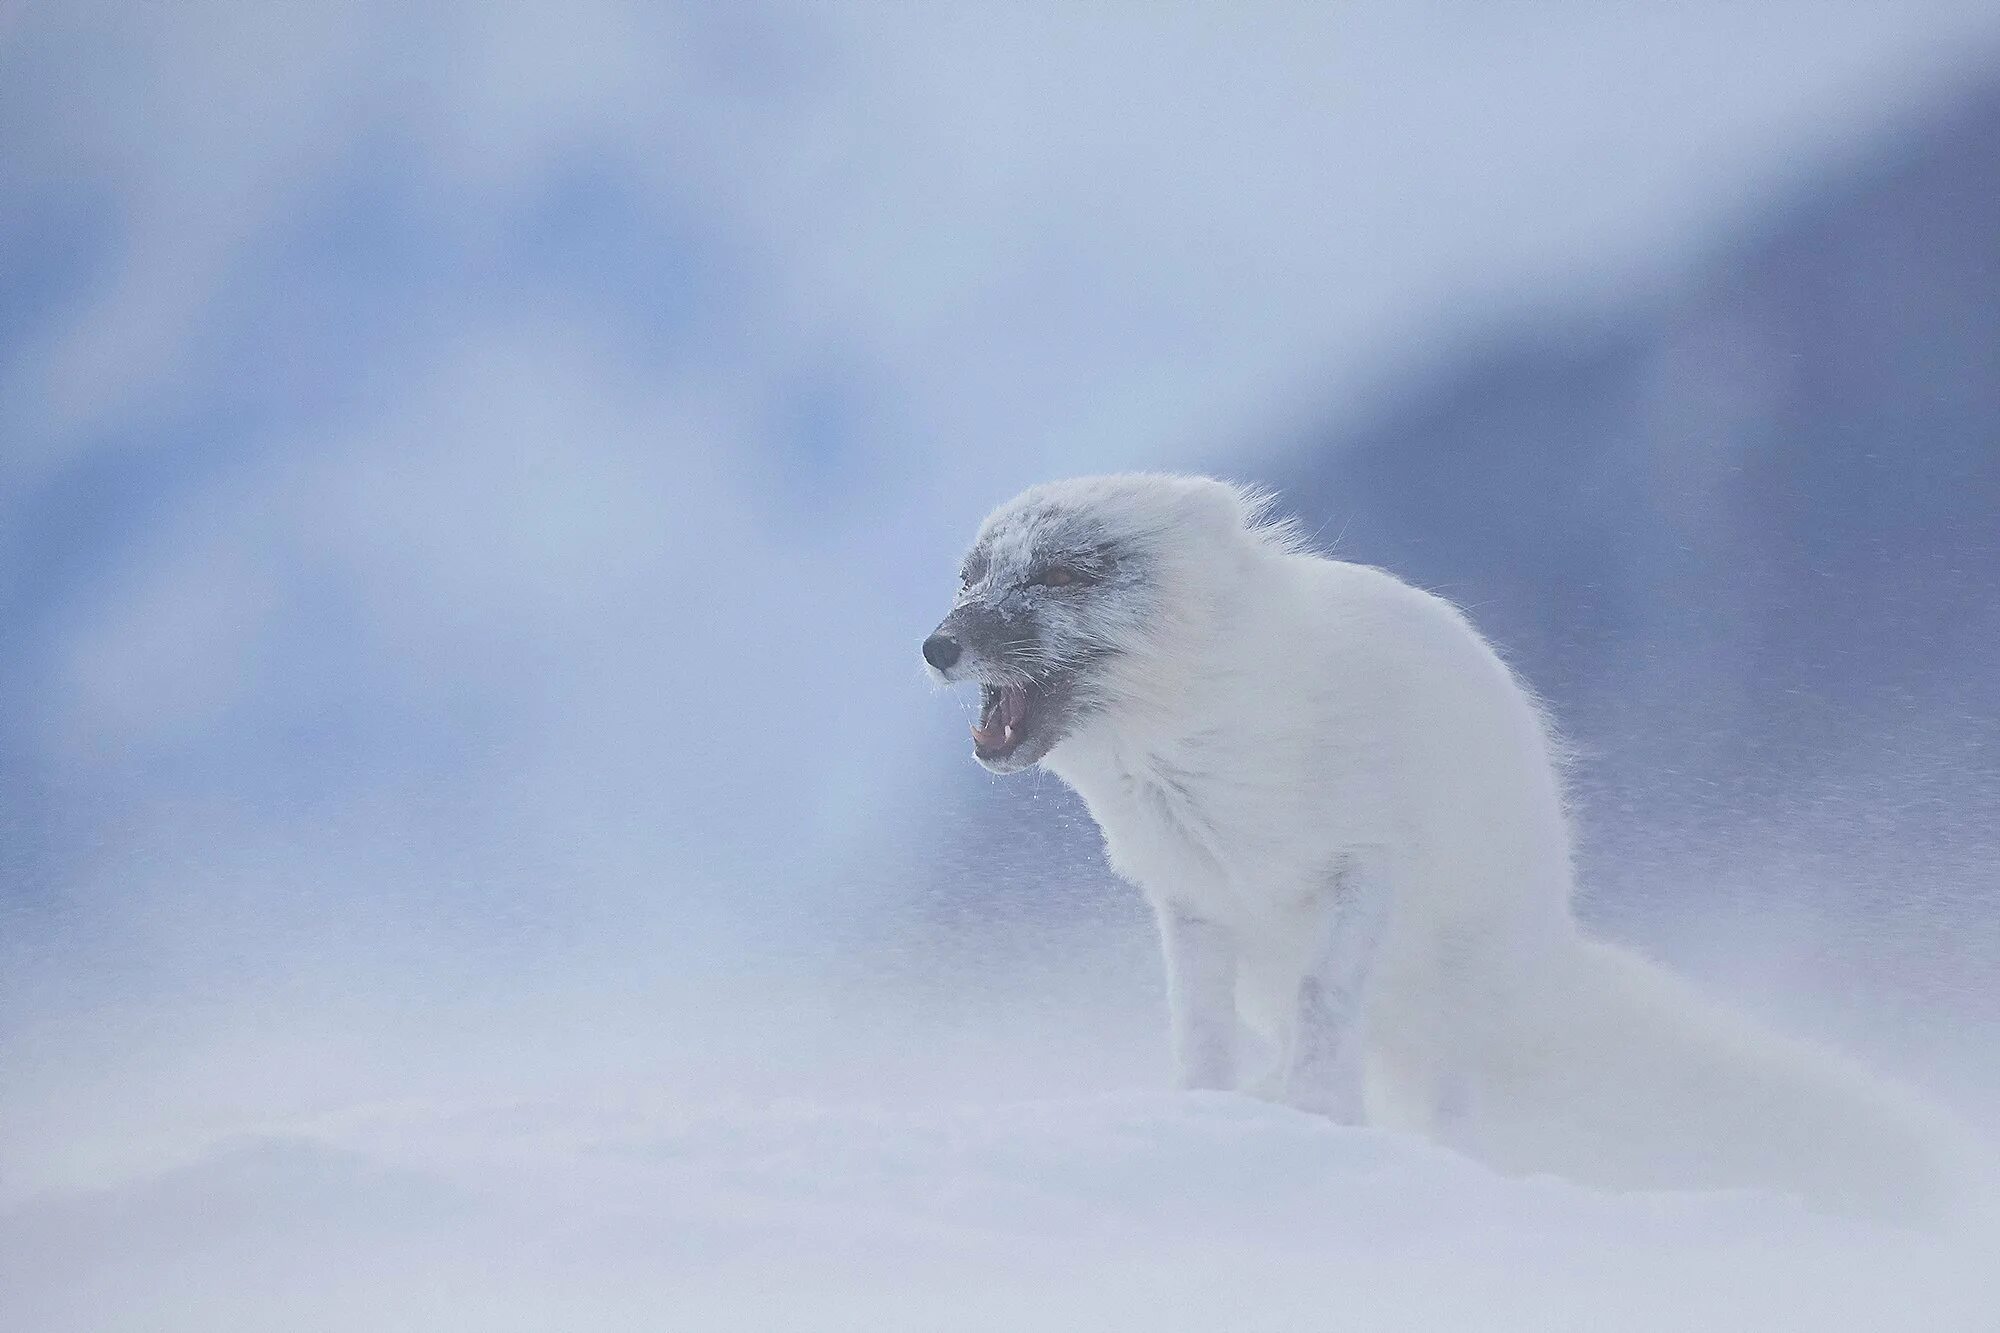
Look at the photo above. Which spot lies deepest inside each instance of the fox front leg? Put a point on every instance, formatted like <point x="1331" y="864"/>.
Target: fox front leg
<point x="1324" y="1063"/>
<point x="1201" y="997"/>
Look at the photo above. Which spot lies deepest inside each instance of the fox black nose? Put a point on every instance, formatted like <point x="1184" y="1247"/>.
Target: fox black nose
<point x="941" y="650"/>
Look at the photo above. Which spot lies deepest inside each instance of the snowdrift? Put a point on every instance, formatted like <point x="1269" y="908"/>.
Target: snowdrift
<point x="1122" y="1212"/>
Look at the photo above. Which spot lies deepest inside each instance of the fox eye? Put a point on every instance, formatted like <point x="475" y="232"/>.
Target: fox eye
<point x="1056" y="576"/>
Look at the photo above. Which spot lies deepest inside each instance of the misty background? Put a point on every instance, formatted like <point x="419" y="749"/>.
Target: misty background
<point x="473" y="479"/>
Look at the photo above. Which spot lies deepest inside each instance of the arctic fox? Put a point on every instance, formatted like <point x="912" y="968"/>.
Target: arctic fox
<point x="1346" y="814"/>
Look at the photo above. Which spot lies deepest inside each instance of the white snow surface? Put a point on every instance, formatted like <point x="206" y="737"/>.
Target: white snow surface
<point x="1151" y="1211"/>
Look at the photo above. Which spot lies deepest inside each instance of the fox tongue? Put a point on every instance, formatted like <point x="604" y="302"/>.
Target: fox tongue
<point x="986" y="736"/>
<point x="1003" y="713"/>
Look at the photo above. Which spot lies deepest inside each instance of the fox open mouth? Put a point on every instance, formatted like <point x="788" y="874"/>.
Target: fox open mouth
<point x="1004" y="711"/>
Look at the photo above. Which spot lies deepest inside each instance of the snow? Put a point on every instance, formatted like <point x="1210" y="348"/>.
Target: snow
<point x="1120" y="1211"/>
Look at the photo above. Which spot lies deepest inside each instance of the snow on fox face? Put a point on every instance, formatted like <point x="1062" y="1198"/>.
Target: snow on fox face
<point x="1059" y="599"/>
<point x="1042" y="596"/>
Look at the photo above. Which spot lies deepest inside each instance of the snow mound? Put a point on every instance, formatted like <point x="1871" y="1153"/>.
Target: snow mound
<point x="1125" y="1212"/>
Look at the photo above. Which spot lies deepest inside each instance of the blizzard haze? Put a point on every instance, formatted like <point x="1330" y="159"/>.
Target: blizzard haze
<point x="477" y="848"/>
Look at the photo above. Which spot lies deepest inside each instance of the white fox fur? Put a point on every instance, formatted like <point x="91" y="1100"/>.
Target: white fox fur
<point x="1348" y="816"/>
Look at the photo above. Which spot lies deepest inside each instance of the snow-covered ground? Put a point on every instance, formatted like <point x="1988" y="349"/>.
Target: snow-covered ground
<point x="1121" y="1211"/>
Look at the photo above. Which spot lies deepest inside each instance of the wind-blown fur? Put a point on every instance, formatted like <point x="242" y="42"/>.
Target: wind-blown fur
<point x="1347" y="815"/>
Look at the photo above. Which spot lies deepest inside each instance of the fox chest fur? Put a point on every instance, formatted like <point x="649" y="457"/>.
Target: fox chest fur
<point x="1192" y="826"/>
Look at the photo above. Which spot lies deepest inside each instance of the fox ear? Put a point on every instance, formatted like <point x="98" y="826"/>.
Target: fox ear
<point x="1217" y="505"/>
